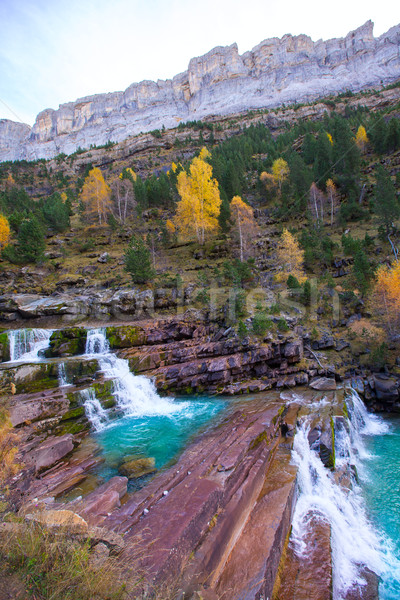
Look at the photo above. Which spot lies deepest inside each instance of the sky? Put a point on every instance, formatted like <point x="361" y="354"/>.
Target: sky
<point x="55" y="51"/>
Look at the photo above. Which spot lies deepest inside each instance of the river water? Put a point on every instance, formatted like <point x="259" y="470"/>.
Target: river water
<point x="380" y="483"/>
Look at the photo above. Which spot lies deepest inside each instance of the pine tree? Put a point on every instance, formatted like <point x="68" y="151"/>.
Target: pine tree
<point x="31" y="244"/>
<point x="386" y="205"/>
<point x="138" y="261"/>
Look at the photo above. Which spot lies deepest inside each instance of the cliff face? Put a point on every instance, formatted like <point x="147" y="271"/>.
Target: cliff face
<point x="290" y="69"/>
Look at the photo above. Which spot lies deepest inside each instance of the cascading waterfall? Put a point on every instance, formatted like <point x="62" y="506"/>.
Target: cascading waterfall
<point x="355" y="544"/>
<point x="62" y="375"/>
<point x="135" y="395"/>
<point x="26" y="344"/>
<point x="96" y="414"/>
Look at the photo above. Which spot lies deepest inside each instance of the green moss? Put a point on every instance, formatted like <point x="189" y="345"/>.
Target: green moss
<point x="263" y="436"/>
<point x="74" y="413"/>
<point x="4" y="347"/>
<point x="70" y="341"/>
<point x="73" y="428"/>
<point x="109" y="403"/>
<point x="125" y="336"/>
<point x="345" y="410"/>
<point x="332" y="458"/>
<point x="73" y="398"/>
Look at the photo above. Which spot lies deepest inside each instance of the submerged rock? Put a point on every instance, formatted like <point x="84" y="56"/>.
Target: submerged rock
<point x="138" y="467"/>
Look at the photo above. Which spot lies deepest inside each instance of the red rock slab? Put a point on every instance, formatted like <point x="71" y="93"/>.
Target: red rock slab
<point x="29" y="408"/>
<point x="307" y="577"/>
<point x="60" y="480"/>
<point x="52" y="450"/>
<point x="227" y="526"/>
<point x="97" y="505"/>
<point x="250" y="570"/>
<point x="170" y="532"/>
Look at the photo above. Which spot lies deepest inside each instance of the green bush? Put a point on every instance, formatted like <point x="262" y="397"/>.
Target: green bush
<point x="261" y="323"/>
<point x="282" y="325"/>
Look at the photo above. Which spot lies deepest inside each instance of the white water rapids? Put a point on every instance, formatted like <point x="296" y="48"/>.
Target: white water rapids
<point x="354" y="542"/>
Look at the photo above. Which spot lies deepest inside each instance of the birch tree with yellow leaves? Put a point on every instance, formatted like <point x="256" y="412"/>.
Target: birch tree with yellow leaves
<point x="96" y="196"/>
<point x="280" y="171"/>
<point x="386" y="297"/>
<point x="197" y="211"/>
<point x="4" y="232"/>
<point x="243" y="217"/>
<point x="290" y="257"/>
<point x="361" y="138"/>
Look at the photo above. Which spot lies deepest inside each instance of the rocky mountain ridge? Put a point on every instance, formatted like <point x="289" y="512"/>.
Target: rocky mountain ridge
<point x="286" y="70"/>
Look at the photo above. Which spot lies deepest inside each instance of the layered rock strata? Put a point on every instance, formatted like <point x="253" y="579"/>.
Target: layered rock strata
<point x="286" y="70"/>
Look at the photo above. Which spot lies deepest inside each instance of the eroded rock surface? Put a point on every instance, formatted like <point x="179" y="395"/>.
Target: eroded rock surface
<point x="276" y="71"/>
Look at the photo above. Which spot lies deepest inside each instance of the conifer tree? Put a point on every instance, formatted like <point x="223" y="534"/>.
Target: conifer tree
<point x="386" y="204"/>
<point x="138" y="261"/>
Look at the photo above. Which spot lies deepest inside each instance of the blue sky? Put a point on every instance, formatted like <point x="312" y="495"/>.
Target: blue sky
<point x="55" y="51"/>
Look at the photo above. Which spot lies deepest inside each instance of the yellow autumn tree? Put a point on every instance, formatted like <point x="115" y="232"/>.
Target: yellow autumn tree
<point x="130" y="172"/>
<point x="243" y="217"/>
<point x="170" y="227"/>
<point x="96" y="196"/>
<point x="280" y="171"/>
<point x="198" y="210"/>
<point x="10" y="181"/>
<point x="331" y="192"/>
<point x="4" y="232"/>
<point x="361" y="138"/>
<point x="385" y="297"/>
<point x="290" y="258"/>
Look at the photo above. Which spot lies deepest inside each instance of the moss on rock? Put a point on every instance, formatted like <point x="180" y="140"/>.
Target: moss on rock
<point x="125" y="336"/>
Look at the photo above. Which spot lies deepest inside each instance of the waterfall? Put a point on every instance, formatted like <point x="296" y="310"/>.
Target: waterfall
<point x="355" y="544"/>
<point x="62" y="375"/>
<point x="94" y="411"/>
<point x="135" y="395"/>
<point x="26" y="344"/>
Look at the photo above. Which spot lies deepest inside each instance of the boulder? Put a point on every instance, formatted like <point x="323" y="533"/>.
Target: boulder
<point x="103" y="258"/>
<point x="386" y="388"/>
<point x="323" y="384"/>
<point x="66" y="520"/>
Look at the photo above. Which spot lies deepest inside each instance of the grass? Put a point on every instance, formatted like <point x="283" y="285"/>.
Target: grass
<point x="52" y="567"/>
<point x="57" y="566"/>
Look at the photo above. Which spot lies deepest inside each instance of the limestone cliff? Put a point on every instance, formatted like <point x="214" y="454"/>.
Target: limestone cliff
<point x="286" y="70"/>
